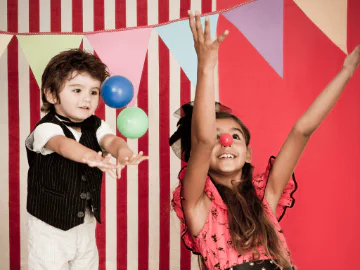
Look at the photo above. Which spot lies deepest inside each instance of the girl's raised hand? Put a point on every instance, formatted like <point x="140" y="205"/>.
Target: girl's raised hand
<point x="352" y="61"/>
<point x="206" y="49"/>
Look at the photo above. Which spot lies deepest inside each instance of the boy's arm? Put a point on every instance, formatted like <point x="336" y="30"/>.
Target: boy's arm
<point x="297" y="139"/>
<point x="75" y="151"/>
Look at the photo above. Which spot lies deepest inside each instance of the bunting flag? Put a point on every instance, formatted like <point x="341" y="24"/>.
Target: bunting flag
<point x="330" y="17"/>
<point x="124" y="53"/>
<point x="178" y="38"/>
<point x="262" y="23"/>
<point x="39" y="49"/>
<point x="4" y="41"/>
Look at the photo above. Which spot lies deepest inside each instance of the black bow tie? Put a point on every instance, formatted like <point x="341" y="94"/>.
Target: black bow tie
<point x="70" y="123"/>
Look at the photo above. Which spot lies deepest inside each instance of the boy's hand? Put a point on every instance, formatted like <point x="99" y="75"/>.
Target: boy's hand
<point x="127" y="157"/>
<point x="206" y="49"/>
<point x="352" y="61"/>
<point x="102" y="163"/>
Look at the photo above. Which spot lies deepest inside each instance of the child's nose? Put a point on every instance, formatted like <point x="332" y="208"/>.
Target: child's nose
<point x="226" y="139"/>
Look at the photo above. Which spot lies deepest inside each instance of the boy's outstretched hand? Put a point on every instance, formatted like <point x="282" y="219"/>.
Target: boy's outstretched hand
<point x="352" y="61"/>
<point x="103" y="163"/>
<point x="206" y="49"/>
<point x="127" y="157"/>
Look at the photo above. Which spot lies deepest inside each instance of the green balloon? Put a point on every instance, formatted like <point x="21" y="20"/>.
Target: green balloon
<point x="132" y="122"/>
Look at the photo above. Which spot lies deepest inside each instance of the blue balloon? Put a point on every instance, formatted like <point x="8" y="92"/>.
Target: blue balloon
<point x="117" y="91"/>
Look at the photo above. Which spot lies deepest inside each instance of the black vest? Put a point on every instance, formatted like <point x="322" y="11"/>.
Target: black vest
<point x="59" y="189"/>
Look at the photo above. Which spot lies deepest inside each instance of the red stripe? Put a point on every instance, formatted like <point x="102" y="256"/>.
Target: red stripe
<point x="77" y="16"/>
<point x="185" y="95"/>
<point x="34" y="17"/>
<point x="99" y="15"/>
<point x="14" y="148"/>
<point x="34" y="26"/>
<point x="120" y="13"/>
<point x="143" y="178"/>
<point x="121" y="193"/>
<point x="143" y="172"/>
<point x="164" y="78"/>
<point x="185" y="6"/>
<point x="55" y="15"/>
<point x="206" y="6"/>
<point x="142" y="18"/>
<point x="100" y="112"/>
<point x="164" y="156"/>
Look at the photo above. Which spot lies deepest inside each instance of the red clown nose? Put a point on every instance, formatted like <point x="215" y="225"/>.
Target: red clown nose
<point x="226" y="139"/>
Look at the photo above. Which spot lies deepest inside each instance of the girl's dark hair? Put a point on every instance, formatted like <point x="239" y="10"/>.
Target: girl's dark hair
<point x="248" y="224"/>
<point x="60" y="68"/>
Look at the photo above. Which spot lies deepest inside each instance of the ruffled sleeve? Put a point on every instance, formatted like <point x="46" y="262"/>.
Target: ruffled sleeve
<point x="286" y="200"/>
<point x="177" y="206"/>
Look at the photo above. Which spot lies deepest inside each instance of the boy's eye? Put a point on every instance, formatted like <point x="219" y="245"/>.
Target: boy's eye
<point x="77" y="90"/>
<point x="94" y="93"/>
<point x="236" y="137"/>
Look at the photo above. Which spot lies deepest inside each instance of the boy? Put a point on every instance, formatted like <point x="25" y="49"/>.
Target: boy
<point x="65" y="164"/>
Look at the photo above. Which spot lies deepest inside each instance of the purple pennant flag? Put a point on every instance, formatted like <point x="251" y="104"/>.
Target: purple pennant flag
<point x="262" y="22"/>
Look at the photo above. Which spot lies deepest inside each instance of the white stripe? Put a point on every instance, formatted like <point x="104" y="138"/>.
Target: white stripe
<point x="153" y="12"/>
<point x="24" y="125"/>
<point x="154" y="178"/>
<point x="131" y="13"/>
<point x="4" y="165"/>
<point x="174" y="13"/>
<point x="88" y="16"/>
<point x="109" y="14"/>
<point x="132" y="175"/>
<point x="66" y="15"/>
<point x="23" y="17"/>
<point x="132" y="210"/>
<point x="213" y="5"/>
<point x="3" y="16"/>
<point x="45" y="15"/>
<point x="196" y="5"/>
<point x="175" y="163"/>
<point x="111" y="184"/>
<point x="111" y="213"/>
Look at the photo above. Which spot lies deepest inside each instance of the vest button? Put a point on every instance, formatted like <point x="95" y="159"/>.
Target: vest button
<point x="83" y="196"/>
<point x="83" y="177"/>
<point x="80" y="214"/>
<point x="88" y="195"/>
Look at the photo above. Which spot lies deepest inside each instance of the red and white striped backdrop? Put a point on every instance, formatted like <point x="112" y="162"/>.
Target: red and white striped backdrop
<point x="140" y="230"/>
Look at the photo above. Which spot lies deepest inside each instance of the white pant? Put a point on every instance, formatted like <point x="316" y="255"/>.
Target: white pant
<point x="55" y="249"/>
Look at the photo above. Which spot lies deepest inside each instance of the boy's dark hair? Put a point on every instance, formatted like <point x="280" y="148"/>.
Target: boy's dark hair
<point x="61" y="67"/>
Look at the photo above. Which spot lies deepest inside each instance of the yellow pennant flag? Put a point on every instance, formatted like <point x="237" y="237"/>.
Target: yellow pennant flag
<point x="4" y="41"/>
<point x="330" y="16"/>
<point x="39" y="49"/>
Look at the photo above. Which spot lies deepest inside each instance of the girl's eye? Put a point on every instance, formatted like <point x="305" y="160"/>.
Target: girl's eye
<point x="236" y="137"/>
<point x="77" y="90"/>
<point x="218" y="137"/>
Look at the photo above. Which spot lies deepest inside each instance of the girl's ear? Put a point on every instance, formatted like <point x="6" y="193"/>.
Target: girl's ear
<point x="248" y="154"/>
<point x="50" y="97"/>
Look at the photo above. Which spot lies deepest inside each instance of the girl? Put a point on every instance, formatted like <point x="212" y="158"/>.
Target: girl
<point x="228" y="216"/>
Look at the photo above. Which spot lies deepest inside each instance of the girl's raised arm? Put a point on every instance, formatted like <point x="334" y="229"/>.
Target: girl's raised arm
<point x="298" y="137"/>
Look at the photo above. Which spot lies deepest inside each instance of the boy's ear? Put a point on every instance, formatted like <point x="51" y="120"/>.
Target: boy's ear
<point x="50" y="97"/>
<point x="248" y="154"/>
